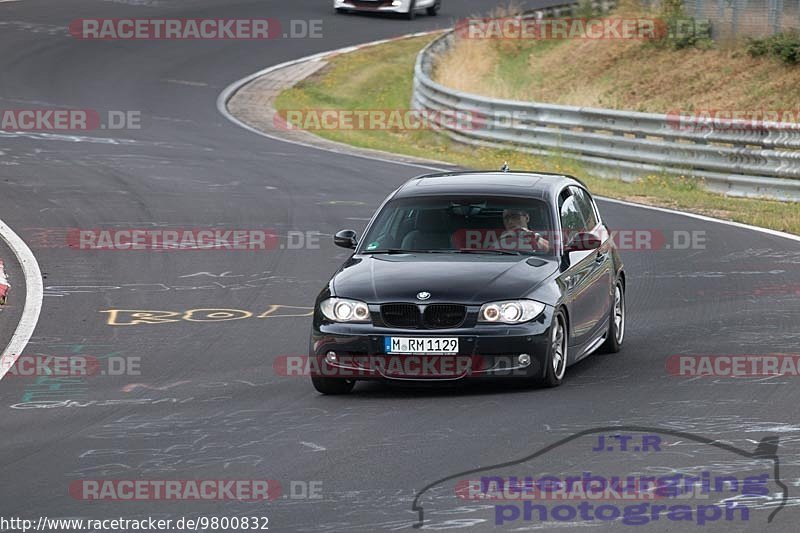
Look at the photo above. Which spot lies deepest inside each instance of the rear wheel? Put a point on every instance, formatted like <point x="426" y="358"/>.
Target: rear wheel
<point x="616" y="326"/>
<point x="340" y="10"/>
<point x="333" y="385"/>
<point x="412" y="10"/>
<point x="434" y="9"/>
<point x="557" y="357"/>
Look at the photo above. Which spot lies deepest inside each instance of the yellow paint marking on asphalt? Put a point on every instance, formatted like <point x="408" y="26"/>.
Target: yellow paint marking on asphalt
<point x="143" y="317"/>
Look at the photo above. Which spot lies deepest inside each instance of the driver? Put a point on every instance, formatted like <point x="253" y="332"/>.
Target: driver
<point x="516" y="222"/>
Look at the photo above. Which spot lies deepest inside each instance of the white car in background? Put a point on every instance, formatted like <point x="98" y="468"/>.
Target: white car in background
<point x="407" y="7"/>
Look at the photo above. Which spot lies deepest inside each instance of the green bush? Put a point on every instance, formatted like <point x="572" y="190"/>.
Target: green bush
<point x="680" y="30"/>
<point x="757" y="47"/>
<point x="784" y="46"/>
<point x="687" y="32"/>
<point x="584" y="10"/>
<point x="672" y="8"/>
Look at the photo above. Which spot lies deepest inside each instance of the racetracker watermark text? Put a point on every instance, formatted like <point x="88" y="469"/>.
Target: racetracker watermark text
<point x="194" y="29"/>
<point x="54" y="120"/>
<point x="734" y="366"/>
<point x="70" y="366"/>
<point x="735" y="120"/>
<point x="519" y="28"/>
<point x="173" y="239"/>
<point x="149" y="489"/>
<point x="408" y="366"/>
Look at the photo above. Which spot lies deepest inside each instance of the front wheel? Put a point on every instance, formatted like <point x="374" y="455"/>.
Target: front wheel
<point x="557" y="356"/>
<point x="333" y="385"/>
<point x="616" y="326"/>
<point x="434" y="9"/>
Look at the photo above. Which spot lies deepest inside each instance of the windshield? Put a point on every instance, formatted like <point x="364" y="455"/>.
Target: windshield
<point x="444" y="224"/>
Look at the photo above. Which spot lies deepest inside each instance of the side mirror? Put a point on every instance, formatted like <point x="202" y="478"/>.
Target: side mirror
<point x="346" y="239"/>
<point x="582" y="242"/>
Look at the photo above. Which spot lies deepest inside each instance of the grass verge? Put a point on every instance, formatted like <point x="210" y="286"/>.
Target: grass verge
<point x="381" y="77"/>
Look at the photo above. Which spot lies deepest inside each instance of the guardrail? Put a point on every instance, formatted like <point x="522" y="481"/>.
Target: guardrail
<point x="733" y="156"/>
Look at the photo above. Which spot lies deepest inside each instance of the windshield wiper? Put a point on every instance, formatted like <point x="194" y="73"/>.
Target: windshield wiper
<point x="404" y="251"/>
<point x="487" y="251"/>
<point x="443" y="251"/>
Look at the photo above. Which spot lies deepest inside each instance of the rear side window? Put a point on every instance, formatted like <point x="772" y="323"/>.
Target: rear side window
<point x="572" y="220"/>
<point x="584" y="203"/>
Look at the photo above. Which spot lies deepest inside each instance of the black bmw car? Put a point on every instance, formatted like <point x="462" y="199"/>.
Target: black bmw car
<point x="471" y="275"/>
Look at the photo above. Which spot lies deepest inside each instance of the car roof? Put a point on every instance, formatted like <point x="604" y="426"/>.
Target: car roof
<point x="540" y="185"/>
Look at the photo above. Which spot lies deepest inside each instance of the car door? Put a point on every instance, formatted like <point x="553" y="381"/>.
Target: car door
<point x="603" y="286"/>
<point x="582" y="278"/>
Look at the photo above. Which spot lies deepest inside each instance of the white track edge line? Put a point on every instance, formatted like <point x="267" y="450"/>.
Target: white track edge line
<point x="34" y="294"/>
<point x="230" y="90"/>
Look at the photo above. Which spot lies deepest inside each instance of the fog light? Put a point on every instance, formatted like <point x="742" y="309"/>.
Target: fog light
<point x="524" y="359"/>
<point x="330" y="357"/>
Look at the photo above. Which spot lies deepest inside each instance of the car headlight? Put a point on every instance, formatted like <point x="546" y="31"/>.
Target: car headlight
<point x="510" y="312"/>
<point x="344" y="310"/>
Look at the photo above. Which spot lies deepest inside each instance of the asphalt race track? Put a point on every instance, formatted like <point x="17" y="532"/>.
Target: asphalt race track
<point x="208" y="403"/>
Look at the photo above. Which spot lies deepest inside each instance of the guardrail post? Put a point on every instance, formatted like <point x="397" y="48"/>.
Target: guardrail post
<point x="772" y="8"/>
<point x="738" y="7"/>
<point x="699" y="8"/>
<point x="778" y="23"/>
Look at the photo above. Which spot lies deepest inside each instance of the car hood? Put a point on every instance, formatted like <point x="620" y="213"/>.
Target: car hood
<point x="468" y="279"/>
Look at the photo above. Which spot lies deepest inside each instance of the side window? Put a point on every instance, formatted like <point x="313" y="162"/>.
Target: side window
<point x="571" y="218"/>
<point x="593" y="205"/>
<point x="586" y="208"/>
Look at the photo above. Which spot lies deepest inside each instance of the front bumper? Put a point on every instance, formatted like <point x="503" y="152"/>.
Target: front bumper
<point x="381" y="6"/>
<point x="485" y="351"/>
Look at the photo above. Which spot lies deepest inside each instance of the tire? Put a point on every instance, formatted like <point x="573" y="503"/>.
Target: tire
<point x="616" y="326"/>
<point x="340" y="10"/>
<point x="434" y="9"/>
<point x="412" y="11"/>
<point x="333" y="385"/>
<point x="557" y="352"/>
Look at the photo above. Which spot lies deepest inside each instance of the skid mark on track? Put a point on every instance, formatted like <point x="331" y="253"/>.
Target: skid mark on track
<point x="713" y="274"/>
<point x="67" y="138"/>
<point x="201" y="384"/>
<point x="32" y="27"/>
<point x="135" y="386"/>
<point x="315" y="447"/>
<point x="56" y="404"/>
<point x="763" y="254"/>
<point x="186" y="82"/>
<point x="138" y="3"/>
<point x="159" y="443"/>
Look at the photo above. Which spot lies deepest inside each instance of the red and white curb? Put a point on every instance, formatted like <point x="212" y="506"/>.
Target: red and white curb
<point x="34" y="293"/>
<point x="4" y="284"/>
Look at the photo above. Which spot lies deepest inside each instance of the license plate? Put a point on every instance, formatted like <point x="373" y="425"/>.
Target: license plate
<point x="423" y="345"/>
